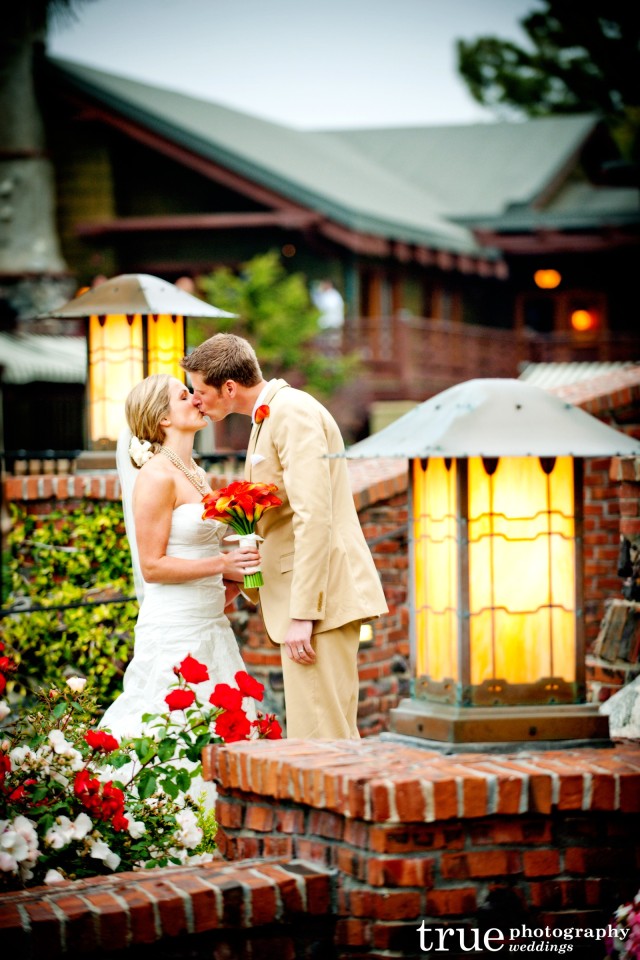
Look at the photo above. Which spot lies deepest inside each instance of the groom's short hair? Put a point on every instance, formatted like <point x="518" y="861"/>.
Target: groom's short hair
<point x="224" y="357"/>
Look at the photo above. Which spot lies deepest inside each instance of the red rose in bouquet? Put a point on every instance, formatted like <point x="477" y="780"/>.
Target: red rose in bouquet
<point x="240" y="505"/>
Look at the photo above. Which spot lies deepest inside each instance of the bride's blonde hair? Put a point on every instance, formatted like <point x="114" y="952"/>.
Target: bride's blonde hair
<point x="146" y="405"/>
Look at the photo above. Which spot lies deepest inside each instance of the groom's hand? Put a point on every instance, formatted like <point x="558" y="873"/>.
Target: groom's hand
<point x="298" y="642"/>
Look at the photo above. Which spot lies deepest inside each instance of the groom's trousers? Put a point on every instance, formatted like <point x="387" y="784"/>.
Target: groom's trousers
<point x="321" y="699"/>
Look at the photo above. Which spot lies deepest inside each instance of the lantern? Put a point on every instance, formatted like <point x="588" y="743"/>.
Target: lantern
<point x="135" y="327"/>
<point x="496" y="608"/>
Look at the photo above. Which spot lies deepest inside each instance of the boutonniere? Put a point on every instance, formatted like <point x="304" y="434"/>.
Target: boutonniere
<point x="262" y="413"/>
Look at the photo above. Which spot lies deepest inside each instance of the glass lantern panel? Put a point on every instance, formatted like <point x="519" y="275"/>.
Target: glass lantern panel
<point x="522" y="571"/>
<point x="435" y="558"/>
<point x="165" y="345"/>
<point x="115" y="366"/>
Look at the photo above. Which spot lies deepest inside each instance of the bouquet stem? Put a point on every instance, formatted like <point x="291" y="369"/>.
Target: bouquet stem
<point x="254" y="579"/>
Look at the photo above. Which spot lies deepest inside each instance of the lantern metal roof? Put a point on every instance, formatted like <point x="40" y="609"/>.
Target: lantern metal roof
<point x="132" y="293"/>
<point x="495" y="418"/>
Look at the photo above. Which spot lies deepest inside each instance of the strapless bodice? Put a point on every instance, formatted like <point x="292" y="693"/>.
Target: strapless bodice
<point x="191" y="538"/>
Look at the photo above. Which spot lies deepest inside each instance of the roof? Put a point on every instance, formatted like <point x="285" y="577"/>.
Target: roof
<point x="550" y="375"/>
<point x="423" y="185"/>
<point x="477" y="169"/>
<point x="320" y="171"/>
<point x="493" y="418"/>
<point x="28" y="357"/>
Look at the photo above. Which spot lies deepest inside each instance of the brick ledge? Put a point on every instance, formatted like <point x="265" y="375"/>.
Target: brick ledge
<point x="99" y="914"/>
<point x="383" y="781"/>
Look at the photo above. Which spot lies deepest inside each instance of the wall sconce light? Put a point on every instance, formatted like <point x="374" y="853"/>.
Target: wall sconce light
<point x="366" y="634"/>
<point x="496" y="576"/>
<point x="547" y="279"/>
<point x="135" y="327"/>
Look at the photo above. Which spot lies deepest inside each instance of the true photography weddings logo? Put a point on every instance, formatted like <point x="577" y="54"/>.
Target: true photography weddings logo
<point x="522" y="939"/>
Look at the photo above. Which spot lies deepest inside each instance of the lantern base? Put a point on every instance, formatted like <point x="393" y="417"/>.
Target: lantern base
<point x="522" y="724"/>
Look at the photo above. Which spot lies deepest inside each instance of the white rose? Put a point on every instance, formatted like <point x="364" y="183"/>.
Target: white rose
<point x="59" y="743"/>
<point x="8" y="864"/>
<point x="100" y="851"/>
<point x="5" y="709"/>
<point x="81" y="826"/>
<point x="136" y="829"/>
<point x="26" y="829"/>
<point x="18" y="756"/>
<point x="112" y="860"/>
<point x="77" y="684"/>
<point x="60" y="834"/>
<point x="189" y="834"/>
<point x="15" y="845"/>
<point x="140" y="451"/>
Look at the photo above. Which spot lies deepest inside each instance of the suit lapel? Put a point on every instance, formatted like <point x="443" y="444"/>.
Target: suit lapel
<point x="274" y="388"/>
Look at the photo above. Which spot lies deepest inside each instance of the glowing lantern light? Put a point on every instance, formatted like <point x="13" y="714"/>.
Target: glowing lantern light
<point x="583" y="320"/>
<point x="547" y="279"/>
<point x="136" y="327"/>
<point x="496" y="562"/>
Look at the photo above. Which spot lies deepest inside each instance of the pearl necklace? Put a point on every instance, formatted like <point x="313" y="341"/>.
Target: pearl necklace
<point x="192" y="475"/>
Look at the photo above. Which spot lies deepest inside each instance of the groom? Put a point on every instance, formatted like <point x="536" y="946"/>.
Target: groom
<point x="319" y="578"/>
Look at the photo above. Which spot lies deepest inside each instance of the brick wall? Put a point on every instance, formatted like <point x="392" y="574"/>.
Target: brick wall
<point x="610" y="505"/>
<point x="343" y="849"/>
<point x="601" y="542"/>
<point x="542" y="838"/>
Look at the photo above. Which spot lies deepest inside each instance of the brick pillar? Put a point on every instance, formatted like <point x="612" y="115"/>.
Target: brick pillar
<point x="542" y="838"/>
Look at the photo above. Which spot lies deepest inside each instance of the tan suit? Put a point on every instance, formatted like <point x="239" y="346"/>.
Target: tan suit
<point x="315" y="560"/>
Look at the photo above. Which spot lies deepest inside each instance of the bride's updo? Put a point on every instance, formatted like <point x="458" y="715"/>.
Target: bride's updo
<point x="146" y="405"/>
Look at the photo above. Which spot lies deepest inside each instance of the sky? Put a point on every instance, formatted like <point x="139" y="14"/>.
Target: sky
<point x="310" y="64"/>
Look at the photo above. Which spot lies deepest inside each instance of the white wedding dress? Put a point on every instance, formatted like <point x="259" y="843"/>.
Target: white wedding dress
<point x="175" y="620"/>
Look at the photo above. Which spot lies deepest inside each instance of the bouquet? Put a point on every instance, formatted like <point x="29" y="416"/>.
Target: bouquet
<point x="240" y="505"/>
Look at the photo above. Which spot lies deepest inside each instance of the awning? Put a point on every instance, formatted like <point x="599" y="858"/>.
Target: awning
<point x="29" y="357"/>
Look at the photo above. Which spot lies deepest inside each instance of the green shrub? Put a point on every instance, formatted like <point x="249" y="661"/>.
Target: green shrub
<point x="69" y="558"/>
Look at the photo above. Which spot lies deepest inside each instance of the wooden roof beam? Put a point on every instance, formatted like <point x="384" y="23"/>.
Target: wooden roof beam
<point x="287" y="219"/>
<point x="362" y="243"/>
<point x="545" y="242"/>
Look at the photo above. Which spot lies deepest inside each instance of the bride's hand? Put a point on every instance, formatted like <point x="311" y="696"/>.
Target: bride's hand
<point x="238" y="563"/>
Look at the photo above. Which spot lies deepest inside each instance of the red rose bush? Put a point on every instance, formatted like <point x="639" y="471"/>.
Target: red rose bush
<point x="76" y="802"/>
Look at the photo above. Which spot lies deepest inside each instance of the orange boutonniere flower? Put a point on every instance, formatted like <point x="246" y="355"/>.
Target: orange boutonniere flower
<point x="262" y="413"/>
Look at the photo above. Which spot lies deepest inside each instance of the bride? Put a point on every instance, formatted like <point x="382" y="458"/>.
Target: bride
<point x="186" y="580"/>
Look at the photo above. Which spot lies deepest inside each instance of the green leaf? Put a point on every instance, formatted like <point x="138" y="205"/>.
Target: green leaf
<point x="170" y="787"/>
<point x="145" y="749"/>
<point x="166" y="749"/>
<point x="119" y="760"/>
<point x="147" y="784"/>
<point x="183" y="779"/>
